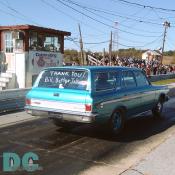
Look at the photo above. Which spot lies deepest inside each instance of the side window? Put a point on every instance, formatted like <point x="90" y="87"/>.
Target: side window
<point x="115" y="78"/>
<point x="128" y="80"/>
<point x="141" y="79"/>
<point x="106" y="81"/>
<point x="8" y="42"/>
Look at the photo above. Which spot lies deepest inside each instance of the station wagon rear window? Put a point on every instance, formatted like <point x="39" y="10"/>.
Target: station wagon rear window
<point x="63" y="79"/>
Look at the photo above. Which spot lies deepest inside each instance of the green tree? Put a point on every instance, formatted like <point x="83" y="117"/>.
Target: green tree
<point x="71" y="55"/>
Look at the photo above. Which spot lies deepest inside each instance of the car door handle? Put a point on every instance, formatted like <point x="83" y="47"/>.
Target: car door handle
<point x="56" y="94"/>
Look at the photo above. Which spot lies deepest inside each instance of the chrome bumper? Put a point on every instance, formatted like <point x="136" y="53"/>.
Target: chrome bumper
<point x="72" y="116"/>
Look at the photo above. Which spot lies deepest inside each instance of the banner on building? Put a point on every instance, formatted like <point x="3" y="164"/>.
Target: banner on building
<point x="40" y="60"/>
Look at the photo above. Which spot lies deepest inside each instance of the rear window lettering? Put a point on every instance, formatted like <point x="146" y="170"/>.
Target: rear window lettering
<point x="67" y="79"/>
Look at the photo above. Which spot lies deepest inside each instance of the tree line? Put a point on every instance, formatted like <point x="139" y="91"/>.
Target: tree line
<point x="72" y="55"/>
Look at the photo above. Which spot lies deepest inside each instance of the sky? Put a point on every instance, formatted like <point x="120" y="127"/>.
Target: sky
<point x="134" y="23"/>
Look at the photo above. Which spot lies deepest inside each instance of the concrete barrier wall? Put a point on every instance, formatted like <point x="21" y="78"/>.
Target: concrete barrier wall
<point x="13" y="93"/>
<point x="13" y="99"/>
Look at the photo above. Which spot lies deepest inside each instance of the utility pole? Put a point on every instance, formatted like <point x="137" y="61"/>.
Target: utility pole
<point x="110" y="49"/>
<point x="104" y="56"/>
<point x="166" y="24"/>
<point x="115" y="39"/>
<point x="81" y="46"/>
<point x="104" y="53"/>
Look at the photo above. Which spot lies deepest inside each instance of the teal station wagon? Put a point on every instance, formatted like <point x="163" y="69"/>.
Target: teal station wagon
<point x="109" y="95"/>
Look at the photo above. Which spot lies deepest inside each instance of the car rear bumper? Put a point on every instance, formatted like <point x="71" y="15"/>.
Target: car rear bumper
<point x="72" y="116"/>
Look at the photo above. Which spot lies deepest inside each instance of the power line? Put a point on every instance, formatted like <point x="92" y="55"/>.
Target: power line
<point x="18" y="13"/>
<point x="171" y="42"/>
<point x="7" y="13"/>
<point x="121" y="38"/>
<point x="148" y="21"/>
<point x="114" y="14"/>
<point x="128" y="40"/>
<point x="141" y="46"/>
<point x="105" y="24"/>
<point x="90" y="10"/>
<point x="146" y="6"/>
<point x="109" y="12"/>
<point x="170" y="45"/>
<point x="71" y="39"/>
<point x="121" y="44"/>
<point x="121" y="16"/>
<point x="70" y="16"/>
<point x="101" y="42"/>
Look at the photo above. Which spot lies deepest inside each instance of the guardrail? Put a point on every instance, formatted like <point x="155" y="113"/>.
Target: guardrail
<point x="154" y="78"/>
<point x="14" y="99"/>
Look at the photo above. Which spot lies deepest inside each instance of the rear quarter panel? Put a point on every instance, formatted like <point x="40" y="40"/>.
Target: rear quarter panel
<point x="160" y="90"/>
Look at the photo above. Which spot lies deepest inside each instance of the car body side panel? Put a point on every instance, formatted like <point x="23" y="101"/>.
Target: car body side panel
<point x="105" y="104"/>
<point x="148" y="97"/>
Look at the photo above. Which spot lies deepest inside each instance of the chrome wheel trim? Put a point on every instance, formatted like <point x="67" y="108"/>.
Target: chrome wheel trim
<point x="159" y="107"/>
<point x="117" y="121"/>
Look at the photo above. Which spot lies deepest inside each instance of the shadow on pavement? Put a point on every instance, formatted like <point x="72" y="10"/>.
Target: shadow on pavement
<point x="139" y="128"/>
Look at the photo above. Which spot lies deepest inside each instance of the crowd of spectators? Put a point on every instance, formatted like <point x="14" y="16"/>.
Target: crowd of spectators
<point x="153" y="67"/>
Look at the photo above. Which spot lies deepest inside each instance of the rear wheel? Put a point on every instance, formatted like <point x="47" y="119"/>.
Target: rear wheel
<point x="117" y="122"/>
<point x="157" y="110"/>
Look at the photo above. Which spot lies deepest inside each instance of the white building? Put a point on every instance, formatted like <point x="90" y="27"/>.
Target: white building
<point x="25" y="50"/>
<point x="151" y="55"/>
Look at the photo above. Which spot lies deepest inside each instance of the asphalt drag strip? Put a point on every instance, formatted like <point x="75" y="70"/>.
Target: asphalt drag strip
<point x="86" y="149"/>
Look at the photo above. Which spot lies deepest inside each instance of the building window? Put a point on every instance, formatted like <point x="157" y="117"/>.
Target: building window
<point x="19" y="45"/>
<point x="33" y="41"/>
<point x="57" y="44"/>
<point x="8" y="42"/>
<point x="44" y="42"/>
<point x="40" y="43"/>
<point x="52" y="44"/>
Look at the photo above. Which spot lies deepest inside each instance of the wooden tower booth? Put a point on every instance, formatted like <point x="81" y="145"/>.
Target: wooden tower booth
<point x="25" y="50"/>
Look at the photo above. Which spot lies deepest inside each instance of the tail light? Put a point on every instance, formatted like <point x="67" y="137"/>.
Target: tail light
<point x="28" y="101"/>
<point x="88" y="108"/>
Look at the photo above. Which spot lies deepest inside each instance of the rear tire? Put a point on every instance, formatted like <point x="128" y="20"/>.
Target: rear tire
<point x="157" y="110"/>
<point x="117" y="122"/>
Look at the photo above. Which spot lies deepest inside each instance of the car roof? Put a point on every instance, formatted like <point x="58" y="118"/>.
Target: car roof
<point x="93" y="68"/>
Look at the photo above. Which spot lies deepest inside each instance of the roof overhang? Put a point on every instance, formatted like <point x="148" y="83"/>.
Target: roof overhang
<point x="36" y="28"/>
